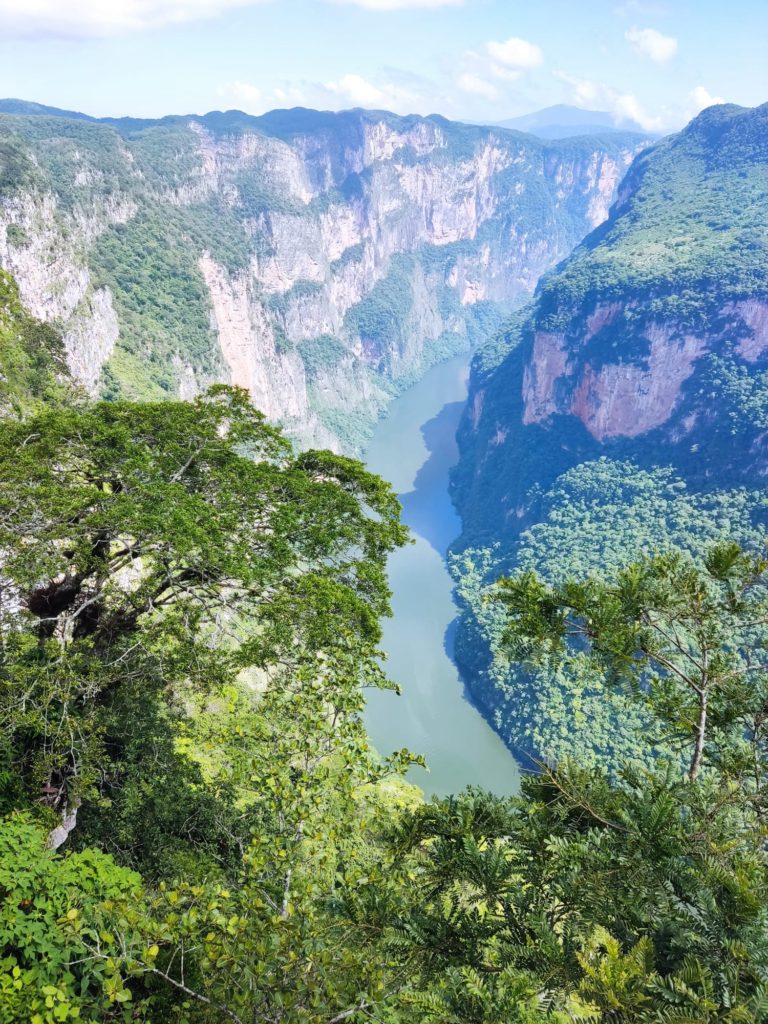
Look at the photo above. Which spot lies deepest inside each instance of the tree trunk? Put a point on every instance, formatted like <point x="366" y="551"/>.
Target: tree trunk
<point x="701" y="732"/>
<point x="59" y="835"/>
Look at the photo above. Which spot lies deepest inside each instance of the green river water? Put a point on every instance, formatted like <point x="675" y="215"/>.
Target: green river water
<point x="414" y="448"/>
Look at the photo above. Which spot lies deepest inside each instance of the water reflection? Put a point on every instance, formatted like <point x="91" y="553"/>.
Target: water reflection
<point x="414" y="448"/>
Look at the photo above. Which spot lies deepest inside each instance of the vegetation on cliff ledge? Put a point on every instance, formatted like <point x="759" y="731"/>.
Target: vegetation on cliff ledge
<point x="33" y="367"/>
<point x="655" y="318"/>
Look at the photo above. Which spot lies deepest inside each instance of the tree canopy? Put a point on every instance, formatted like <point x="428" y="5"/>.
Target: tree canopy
<point x="194" y="825"/>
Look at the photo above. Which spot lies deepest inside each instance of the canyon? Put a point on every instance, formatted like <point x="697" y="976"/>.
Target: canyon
<point x="320" y="261"/>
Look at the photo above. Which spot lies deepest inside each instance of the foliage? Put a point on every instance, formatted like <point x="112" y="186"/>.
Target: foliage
<point x="586" y="901"/>
<point x="16" y="236"/>
<point x="151" y="266"/>
<point x="189" y="621"/>
<point x="322" y="355"/>
<point x="52" y="909"/>
<point x="134" y="535"/>
<point x="33" y="367"/>
<point x="672" y="632"/>
<point x="352" y="254"/>
<point x="742" y="392"/>
<point x="690" y="238"/>
<point x="379" y="319"/>
<point x="595" y="517"/>
<point x="536" y="486"/>
<point x="191" y="612"/>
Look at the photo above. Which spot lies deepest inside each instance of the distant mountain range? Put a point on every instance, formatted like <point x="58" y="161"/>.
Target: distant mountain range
<point x="557" y="122"/>
<point x="563" y="121"/>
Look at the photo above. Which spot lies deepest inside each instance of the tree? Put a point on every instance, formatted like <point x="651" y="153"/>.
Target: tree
<point x="153" y="547"/>
<point x="638" y="899"/>
<point x="189" y="619"/>
<point x="689" y="639"/>
<point x="624" y="895"/>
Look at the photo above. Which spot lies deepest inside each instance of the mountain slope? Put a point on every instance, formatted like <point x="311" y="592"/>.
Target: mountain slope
<point x="319" y="260"/>
<point x="33" y="368"/>
<point x="563" y="121"/>
<point x="661" y="309"/>
<point x="644" y="352"/>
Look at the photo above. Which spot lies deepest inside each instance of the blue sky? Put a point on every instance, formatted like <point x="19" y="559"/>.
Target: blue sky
<point x="657" y="61"/>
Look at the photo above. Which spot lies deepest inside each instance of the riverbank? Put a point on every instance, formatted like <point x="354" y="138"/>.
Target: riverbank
<point x="414" y="448"/>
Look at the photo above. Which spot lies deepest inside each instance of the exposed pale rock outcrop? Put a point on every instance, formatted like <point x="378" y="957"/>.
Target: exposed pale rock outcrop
<point x="276" y="382"/>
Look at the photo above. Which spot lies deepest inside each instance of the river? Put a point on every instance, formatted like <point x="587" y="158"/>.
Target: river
<point x="414" y="448"/>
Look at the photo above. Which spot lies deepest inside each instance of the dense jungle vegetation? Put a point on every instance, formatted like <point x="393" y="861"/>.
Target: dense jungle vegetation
<point x="194" y="826"/>
<point x="596" y="517"/>
<point x="680" y="262"/>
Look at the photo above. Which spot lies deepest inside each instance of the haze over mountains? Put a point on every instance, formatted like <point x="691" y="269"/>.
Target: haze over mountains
<point x="563" y="121"/>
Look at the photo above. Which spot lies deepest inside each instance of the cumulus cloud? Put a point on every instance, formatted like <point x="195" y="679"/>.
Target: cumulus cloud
<point x="477" y="86"/>
<point x="622" y="106"/>
<point x="245" y="96"/>
<point x="79" y="18"/>
<point x="515" y="54"/>
<point x="400" y="5"/>
<point x="485" y="73"/>
<point x="701" y="98"/>
<point x="352" y="90"/>
<point x="357" y="90"/>
<point x="650" y="43"/>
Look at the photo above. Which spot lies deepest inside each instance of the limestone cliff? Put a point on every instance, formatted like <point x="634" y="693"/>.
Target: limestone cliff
<point x="320" y="261"/>
<point x="625" y="411"/>
<point x="650" y="341"/>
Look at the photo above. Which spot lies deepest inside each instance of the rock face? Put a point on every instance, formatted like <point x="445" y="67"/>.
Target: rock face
<point x="320" y="261"/>
<point x="623" y="412"/>
<point x="650" y="341"/>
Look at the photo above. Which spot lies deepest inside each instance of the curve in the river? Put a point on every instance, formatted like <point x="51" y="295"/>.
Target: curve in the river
<point x="414" y="448"/>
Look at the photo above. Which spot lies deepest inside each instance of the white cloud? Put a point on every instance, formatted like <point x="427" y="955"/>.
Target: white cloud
<point x="245" y="96"/>
<point x="287" y="95"/>
<point x="650" y="43"/>
<point x="391" y="89"/>
<point x="622" y="106"/>
<point x="358" y="90"/>
<point x="477" y="86"/>
<point x="515" y="54"/>
<point x="80" y="18"/>
<point x="701" y="98"/>
<point x="503" y="62"/>
<point x="352" y="90"/>
<point x="625" y="107"/>
<point x="400" y="5"/>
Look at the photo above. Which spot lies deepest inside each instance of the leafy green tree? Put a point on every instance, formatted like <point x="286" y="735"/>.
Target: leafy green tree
<point x="689" y="639"/>
<point x="152" y="547"/>
<point x="189" y="620"/>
